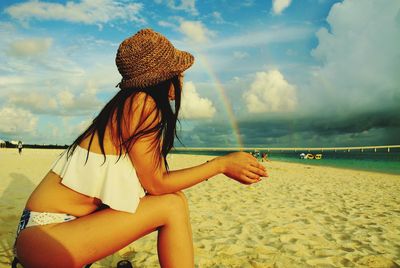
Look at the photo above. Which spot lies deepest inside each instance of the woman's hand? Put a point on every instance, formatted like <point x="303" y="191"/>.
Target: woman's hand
<point x="242" y="167"/>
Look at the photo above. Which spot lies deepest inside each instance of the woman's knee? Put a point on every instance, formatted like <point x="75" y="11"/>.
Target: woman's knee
<point x="183" y="197"/>
<point x="177" y="205"/>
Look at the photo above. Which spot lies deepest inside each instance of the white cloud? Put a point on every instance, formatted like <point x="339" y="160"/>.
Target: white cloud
<point x="16" y="121"/>
<point x="63" y="94"/>
<point x="274" y="34"/>
<point x="83" y="125"/>
<point x="193" y="106"/>
<point x="10" y="80"/>
<point x="186" y="5"/>
<point x="167" y="24"/>
<point x="33" y="101"/>
<point x="278" y="6"/>
<point x="195" y="31"/>
<point x="236" y="79"/>
<point x="270" y="92"/>
<point x="240" y="55"/>
<point x="29" y="47"/>
<point x="85" y="11"/>
<point x="56" y="103"/>
<point x="248" y="3"/>
<point x="359" y="56"/>
<point x="78" y="104"/>
<point x="42" y="84"/>
<point x="217" y="17"/>
<point x="66" y="98"/>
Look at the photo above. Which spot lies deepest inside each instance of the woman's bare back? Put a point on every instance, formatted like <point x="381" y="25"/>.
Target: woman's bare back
<point x="52" y="196"/>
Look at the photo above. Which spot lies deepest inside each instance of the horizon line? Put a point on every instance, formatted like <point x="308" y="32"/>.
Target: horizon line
<point x="288" y="148"/>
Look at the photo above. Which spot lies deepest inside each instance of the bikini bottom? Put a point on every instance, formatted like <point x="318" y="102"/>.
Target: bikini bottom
<point x="33" y="218"/>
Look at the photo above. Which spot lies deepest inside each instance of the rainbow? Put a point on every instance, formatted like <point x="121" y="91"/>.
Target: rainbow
<point x="224" y="99"/>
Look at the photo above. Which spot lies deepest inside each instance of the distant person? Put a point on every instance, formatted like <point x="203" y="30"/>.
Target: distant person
<point x="264" y="157"/>
<point x="19" y="147"/>
<point x="256" y="154"/>
<point x="113" y="186"/>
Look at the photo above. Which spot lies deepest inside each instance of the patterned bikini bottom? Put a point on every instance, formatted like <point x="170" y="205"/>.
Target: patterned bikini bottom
<point x="33" y="218"/>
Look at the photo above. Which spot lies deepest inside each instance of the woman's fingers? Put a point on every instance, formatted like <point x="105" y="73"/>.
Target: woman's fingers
<point x="259" y="171"/>
<point x="252" y="176"/>
<point x="246" y="180"/>
<point x="244" y="168"/>
<point x="257" y="165"/>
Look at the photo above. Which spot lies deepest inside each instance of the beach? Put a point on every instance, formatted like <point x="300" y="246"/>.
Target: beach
<point x="301" y="216"/>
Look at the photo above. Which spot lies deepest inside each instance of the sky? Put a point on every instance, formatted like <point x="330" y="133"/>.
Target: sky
<point x="267" y="73"/>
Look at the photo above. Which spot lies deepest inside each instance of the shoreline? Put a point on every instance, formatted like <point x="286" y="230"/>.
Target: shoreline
<point x="323" y="163"/>
<point x="342" y="167"/>
<point x="320" y="163"/>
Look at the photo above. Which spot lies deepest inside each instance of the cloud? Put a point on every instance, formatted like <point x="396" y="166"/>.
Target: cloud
<point x="39" y="77"/>
<point x="11" y="80"/>
<point x="195" y="31"/>
<point x="30" y="47"/>
<point x="240" y="55"/>
<point x="66" y="98"/>
<point x="278" y="6"/>
<point x="210" y="134"/>
<point x="16" y="121"/>
<point x="82" y="126"/>
<point x="359" y="56"/>
<point x="85" y="11"/>
<point x="248" y="3"/>
<point x="217" y="17"/>
<point x="193" y="106"/>
<point x="273" y="34"/>
<point x="63" y="102"/>
<point x="67" y="94"/>
<point x="270" y="92"/>
<point x="84" y="103"/>
<point x="167" y="24"/>
<point x="374" y="128"/>
<point x="33" y="101"/>
<point x="185" y="5"/>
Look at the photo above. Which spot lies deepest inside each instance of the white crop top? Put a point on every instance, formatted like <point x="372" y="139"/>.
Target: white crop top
<point x="116" y="184"/>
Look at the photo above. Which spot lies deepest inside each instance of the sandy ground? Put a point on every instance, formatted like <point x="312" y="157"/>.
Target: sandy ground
<point x="301" y="216"/>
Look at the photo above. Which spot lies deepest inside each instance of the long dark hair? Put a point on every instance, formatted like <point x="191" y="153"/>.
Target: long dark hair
<point x="165" y="129"/>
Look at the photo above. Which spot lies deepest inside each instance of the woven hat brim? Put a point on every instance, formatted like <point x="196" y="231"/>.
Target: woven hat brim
<point x="181" y="62"/>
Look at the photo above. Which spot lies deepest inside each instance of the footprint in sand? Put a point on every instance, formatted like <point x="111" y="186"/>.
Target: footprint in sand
<point x="377" y="261"/>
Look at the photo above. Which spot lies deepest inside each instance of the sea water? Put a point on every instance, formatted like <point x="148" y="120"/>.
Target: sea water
<point x="379" y="160"/>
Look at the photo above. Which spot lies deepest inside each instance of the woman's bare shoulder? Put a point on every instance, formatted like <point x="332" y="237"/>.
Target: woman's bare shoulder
<point x="139" y="114"/>
<point x="142" y="101"/>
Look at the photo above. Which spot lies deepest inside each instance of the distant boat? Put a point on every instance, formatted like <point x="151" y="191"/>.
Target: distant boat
<point x="309" y="156"/>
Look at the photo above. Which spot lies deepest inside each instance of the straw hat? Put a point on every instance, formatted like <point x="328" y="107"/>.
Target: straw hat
<point x="148" y="58"/>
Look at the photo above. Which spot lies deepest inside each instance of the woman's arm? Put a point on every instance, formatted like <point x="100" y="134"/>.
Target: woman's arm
<point x="152" y="173"/>
<point x="156" y="180"/>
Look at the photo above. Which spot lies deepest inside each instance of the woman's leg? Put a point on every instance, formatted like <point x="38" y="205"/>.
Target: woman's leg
<point x="95" y="236"/>
<point x="164" y="246"/>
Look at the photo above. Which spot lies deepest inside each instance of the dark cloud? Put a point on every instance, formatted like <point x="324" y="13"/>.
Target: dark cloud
<point x="369" y="128"/>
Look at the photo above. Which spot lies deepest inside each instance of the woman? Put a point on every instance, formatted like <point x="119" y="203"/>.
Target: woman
<point x="112" y="186"/>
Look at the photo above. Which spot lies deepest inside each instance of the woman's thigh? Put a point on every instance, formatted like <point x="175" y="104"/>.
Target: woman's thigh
<point x="92" y="237"/>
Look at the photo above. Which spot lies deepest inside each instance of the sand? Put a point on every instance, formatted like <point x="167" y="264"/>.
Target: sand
<point x="301" y="216"/>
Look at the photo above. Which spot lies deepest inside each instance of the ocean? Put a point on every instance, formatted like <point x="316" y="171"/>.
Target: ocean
<point x="369" y="160"/>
